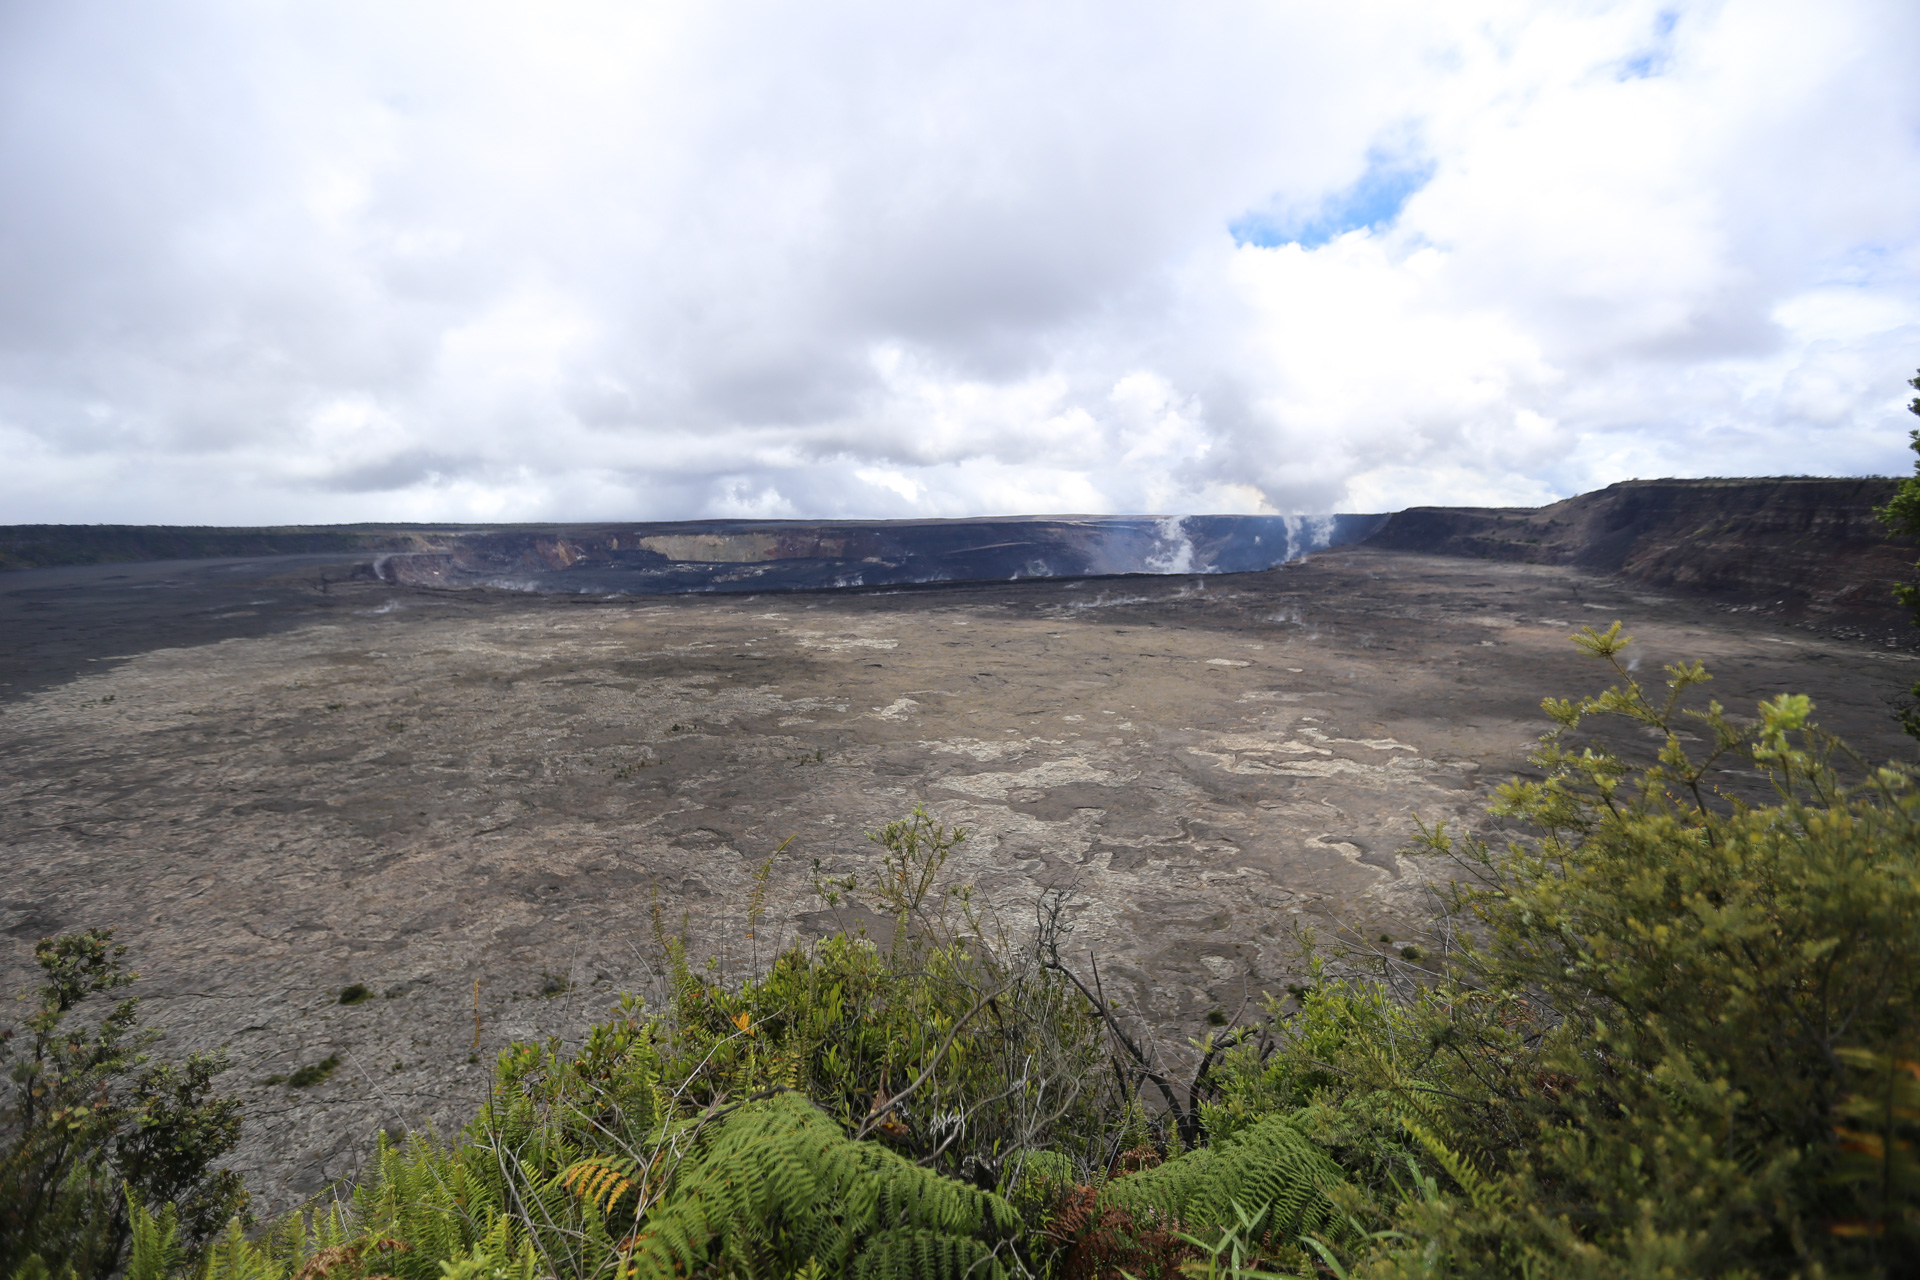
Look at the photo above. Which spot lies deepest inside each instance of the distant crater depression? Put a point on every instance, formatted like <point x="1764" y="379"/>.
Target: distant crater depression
<point x="782" y="555"/>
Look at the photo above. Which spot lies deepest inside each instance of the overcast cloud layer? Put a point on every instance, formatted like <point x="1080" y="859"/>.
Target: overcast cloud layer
<point x="576" y="260"/>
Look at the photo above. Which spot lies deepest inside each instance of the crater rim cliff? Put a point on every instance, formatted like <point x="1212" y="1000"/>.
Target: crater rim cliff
<point x="1806" y="548"/>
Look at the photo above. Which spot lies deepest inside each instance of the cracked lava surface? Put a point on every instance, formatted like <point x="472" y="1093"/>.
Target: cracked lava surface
<point x="273" y="793"/>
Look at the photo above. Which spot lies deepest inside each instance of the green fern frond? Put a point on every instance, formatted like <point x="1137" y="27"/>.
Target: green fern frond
<point x="912" y="1254"/>
<point x="779" y="1175"/>
<point x="1458" y="1167"/>
<point x="1271" y="1164"/>
<point x="156" y="1249"/>
<point x="495" y="1256"/>
<point x="234" y="1257"/>
<point x="1413" y="1110"/>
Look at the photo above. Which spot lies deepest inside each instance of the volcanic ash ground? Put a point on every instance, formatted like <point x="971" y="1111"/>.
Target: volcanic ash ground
<point x="418" y="791"/>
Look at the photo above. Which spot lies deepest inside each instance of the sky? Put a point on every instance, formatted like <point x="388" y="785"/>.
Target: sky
<point x="270" y="263"/>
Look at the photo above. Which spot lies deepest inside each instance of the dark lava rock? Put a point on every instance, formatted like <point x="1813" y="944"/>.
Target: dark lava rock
<point x="1801" y="547"/>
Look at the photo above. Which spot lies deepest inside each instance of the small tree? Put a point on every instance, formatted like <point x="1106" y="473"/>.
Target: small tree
<point x="92" y="1125"/>
<point x="1901" y="516"/>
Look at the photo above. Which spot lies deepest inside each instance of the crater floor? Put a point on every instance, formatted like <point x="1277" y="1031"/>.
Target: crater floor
<point x="274" y="784"/>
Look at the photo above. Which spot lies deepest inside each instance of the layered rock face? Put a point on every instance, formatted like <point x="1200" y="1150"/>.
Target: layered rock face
<point x="765" y="555"/>
<point x="669" y="557"/>
<point x="1806" y="548"/>
<point x="37" y="546"/>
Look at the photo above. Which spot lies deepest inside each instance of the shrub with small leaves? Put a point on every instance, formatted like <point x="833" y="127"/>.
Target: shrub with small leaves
<point x="96" y="1132"/>
<point x="1667" y="1033"/>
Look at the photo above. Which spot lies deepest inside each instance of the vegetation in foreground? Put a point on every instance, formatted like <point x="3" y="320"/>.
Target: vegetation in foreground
<point x="97" y="1133"/>
<point x="1658" y="1032"/>
<point x="1901" y="516"/>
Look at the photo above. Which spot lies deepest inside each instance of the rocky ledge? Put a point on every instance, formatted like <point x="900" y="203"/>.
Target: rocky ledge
<point x="1807" y="549"/>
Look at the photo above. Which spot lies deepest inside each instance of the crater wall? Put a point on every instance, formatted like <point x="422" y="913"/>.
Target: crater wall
<point x="1804" y="548"/>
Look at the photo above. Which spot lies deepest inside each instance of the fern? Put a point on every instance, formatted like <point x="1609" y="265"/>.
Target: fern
<point x="1038" y="1178"/>
<point x="601" y="1179"/>
<point x="234" y="1257"/>
<point x="1270" y="1164"/>
<point x="776" y="1184"/>
<point x="1458" y="1167"/>
<point x="1878" y="1132"/>
<point x="156" y="1248"/>
<point x="495" y="1256"/>
<point x="907" y="1254"/>
<point x="1412" y="1109"/>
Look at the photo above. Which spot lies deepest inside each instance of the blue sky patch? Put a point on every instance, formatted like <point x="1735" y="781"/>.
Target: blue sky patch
<point x="1374" y="201"/>
<point x="1655" y="60"/>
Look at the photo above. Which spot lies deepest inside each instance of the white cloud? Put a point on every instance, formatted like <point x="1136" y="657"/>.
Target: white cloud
<point x="602" y="260"/>
<point x="892" y="481"/>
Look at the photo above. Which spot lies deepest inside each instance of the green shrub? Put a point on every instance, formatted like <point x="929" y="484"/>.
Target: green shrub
<point x="96" y="1134"/>
<point x="313" y="1073"/>
<point x="803" y="1118"/>
<point x="1901" y="516"/>
<point x="1659" y="1018"/>
<point x="950" y="1042"/>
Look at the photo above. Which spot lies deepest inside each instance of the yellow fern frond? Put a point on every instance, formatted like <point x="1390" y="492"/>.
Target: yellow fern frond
<point x="600" y="1181"/>
<point x="1458" y="1167"/>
